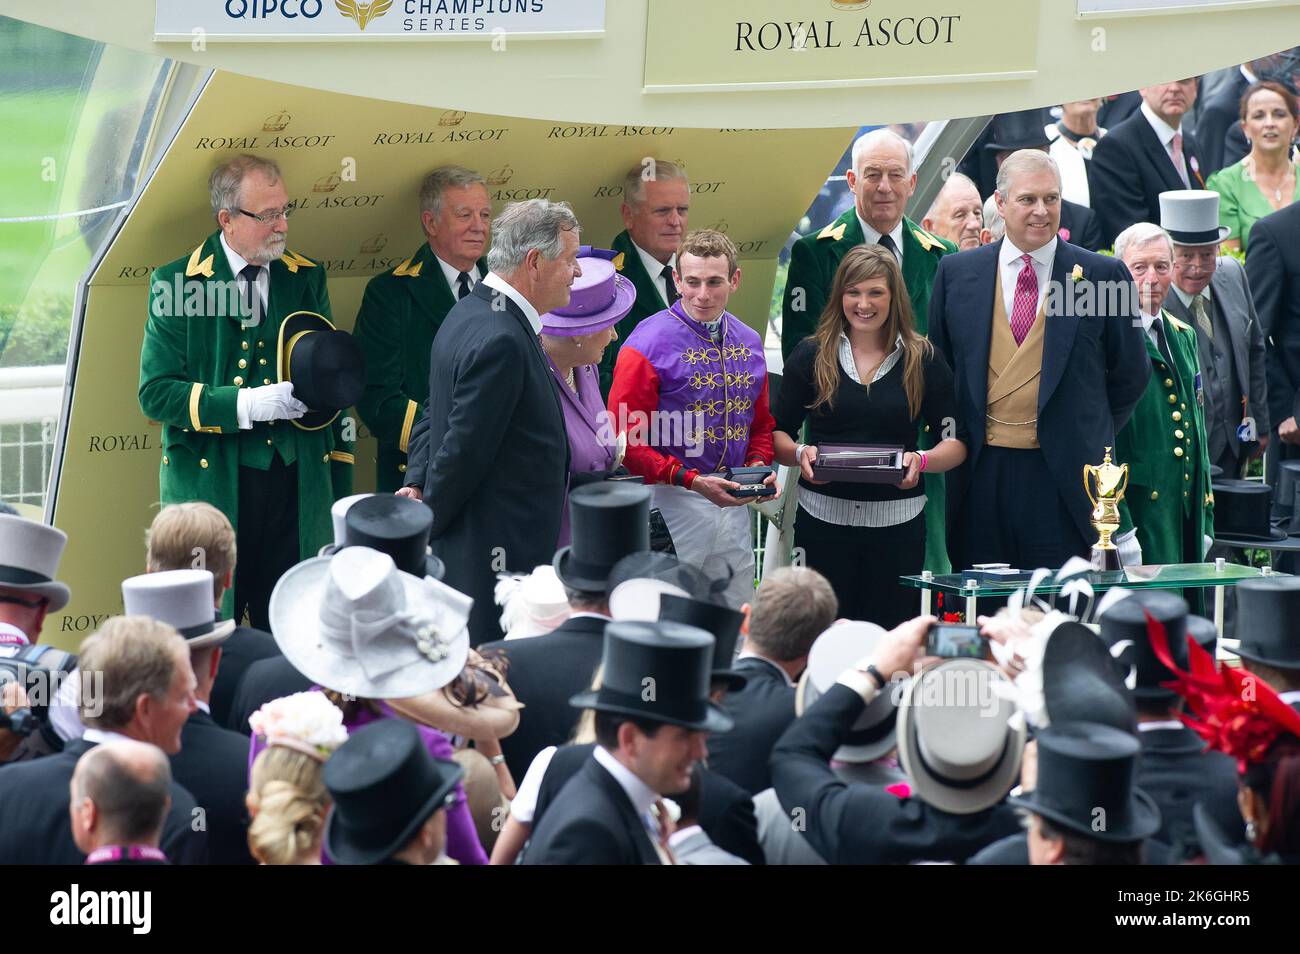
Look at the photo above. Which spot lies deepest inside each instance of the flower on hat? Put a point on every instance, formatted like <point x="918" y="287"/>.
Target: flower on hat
<point x="306" y="721"/>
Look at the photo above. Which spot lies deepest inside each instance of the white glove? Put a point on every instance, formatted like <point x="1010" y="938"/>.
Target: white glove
<point x="1130" y="551"/>
<point x="1206" y="543"/>
<point x="271" y="402"/>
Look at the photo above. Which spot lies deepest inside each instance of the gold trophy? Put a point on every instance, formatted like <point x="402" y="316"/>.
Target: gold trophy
<point x="1111" y="481"/>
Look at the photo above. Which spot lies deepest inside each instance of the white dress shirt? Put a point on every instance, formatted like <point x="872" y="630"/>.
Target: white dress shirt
<point x="638" y="793"/>
<point x="1187" y="299"/>
<point x="237" y="263"/>
<point x="654" y="268"/>
<point x="493" y="280"/>
<point x="1149" y="326"/>
<point x="452" y="274"/>
<point x="871" y="237"/>
<point x="1165" y="133"/>
<point x="1010" y="264"/>
<point x="100" y="736"/>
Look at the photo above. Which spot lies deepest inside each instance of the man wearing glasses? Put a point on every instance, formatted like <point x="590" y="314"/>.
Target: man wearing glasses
<point x="1213" y="296"/>
<point x="209" y="373"/>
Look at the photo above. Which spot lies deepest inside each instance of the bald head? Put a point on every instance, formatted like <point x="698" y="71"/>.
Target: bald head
<point x="957" y="213"/>
<point x="119" y="795"/>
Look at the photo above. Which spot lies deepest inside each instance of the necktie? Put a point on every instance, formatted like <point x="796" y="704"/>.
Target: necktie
<point x="1162" y="343"/>
<point x="1203" y="323"/>
<point x="1025" y="305"/>
<point x="1176" y="147"/>
<point x="670" y="287"/>
<point x="462" y="285"/>
<point x="252" y="300"/>
<point x="888" y="243"/>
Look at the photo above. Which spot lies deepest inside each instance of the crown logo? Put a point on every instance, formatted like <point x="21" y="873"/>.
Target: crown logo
<point x="452" y="117"/>
<point x="499" y="177"/>
<point x="850" y="4"/>
<point x="363" y="13"/>
<point x="276" y="122"/>
<point x="327" y="183"/>
<point x="374" y="244"/>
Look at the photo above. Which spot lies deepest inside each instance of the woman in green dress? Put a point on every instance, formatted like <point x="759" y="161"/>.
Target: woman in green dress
<point x="1265" y="180"/>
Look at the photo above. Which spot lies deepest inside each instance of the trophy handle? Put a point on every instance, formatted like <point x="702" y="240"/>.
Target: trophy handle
<point x="1119" y="491"/>
<point x="1087" y="489"/>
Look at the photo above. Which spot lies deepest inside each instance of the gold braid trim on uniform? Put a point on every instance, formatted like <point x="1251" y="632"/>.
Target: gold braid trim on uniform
<point x="196" y="391"/>
<point x="343" y="457"/>
<point x="404" y="439"/>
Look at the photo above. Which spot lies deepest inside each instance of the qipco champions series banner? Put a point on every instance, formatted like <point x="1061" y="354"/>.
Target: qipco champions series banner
<point x="376" y="19"/>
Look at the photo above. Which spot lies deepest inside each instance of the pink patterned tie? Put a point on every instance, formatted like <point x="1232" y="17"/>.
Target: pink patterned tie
<point x="1025" y="305"/>
<point x="1176" y="146"/>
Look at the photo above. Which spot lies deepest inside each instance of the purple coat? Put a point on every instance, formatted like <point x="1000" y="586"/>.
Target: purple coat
<point x="590" y="447"/>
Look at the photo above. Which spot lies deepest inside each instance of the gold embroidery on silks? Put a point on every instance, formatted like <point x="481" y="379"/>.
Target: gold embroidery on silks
<point x="738" y="352"/>
<point x="706" y="379"/>
<point x="694" y="356"/>
<point x="740" y="379"/>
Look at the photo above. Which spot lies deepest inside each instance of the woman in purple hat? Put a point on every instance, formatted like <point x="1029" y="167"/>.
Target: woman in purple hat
<point x="574" y="338"/>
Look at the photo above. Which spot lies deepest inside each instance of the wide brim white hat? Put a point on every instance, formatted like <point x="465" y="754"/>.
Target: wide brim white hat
<point x="333" y="663"/>
<point x="873" y="734"/>
<point x="959" y="758"/>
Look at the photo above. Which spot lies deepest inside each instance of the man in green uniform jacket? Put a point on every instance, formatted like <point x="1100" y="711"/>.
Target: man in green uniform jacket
<point x="209" y="374"/>
<point x="1169" y="494"/>
<point x="656" y="207"/>
<point x="404" y="307"/>
<point x="882" y="180"/>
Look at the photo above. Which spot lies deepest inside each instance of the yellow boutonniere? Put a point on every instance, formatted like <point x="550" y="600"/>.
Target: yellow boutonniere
<point x="1077" y="274"/>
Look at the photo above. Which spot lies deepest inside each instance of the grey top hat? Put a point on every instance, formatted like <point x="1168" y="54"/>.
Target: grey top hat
<point x="29" y="559"/>
<point x="955" y="740"/>
<point x="1191" y="217"/>
<point x="181" y="598"/>
<point x="839" y="648"/>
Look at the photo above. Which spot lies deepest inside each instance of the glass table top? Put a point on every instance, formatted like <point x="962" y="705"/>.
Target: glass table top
<point x="1169" y="576"/>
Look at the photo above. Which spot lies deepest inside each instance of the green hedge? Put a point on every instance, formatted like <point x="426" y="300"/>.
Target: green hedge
<point x="35" y="333"/>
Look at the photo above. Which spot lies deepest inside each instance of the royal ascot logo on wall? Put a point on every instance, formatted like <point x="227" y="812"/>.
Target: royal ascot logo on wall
<point x="776" y="44"/>
<point x="378" y="19"/>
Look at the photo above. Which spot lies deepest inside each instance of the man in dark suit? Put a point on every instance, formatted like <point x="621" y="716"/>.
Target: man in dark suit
<point x="610" y="521"/>
<point x="647" y="744"/>
<point x="143" y="689"/>
<point x="499" y="457"/>
<point x="791" y="608"/>
<point x="1042" y="396"/>
<point x="1218" y="130"/>
<point x="1273" y="266"/>
<point x="119" y="804"/>
<point x="1144" y="155"/>
<point x="1211" y="294"/>
<point x="656" y="207"/>
<point x="1115" y="109"/>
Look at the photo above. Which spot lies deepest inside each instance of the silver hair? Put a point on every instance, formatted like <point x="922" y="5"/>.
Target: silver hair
<point x="957" y="178"/>
<point x="1141" y="233"/>
<point x="440" y="180"/>
<point x="876" y="137"/>
<point x="993" y="220"/>
<point x="646" y="170"/>
<point x="1025" y="160"/>
<point x="523" y="226"/>
<point x="227" y="180"/>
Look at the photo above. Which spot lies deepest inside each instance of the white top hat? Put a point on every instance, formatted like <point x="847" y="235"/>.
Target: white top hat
<point x="29" y="559"/>
<point x="181" y="598"/>
<point x="1191" y="217"/>
<point x="354" y="623"/>
<point x="840" y="648"/>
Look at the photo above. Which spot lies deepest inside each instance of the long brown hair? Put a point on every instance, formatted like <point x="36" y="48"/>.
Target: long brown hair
<point x="861" y="263"/>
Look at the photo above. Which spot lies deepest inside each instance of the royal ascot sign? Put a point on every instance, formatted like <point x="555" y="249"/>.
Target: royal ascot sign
<point x="725" y="45"/>
<point x="376" y="19"/>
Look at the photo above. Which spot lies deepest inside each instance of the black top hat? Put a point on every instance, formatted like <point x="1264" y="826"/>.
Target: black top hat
<point x="1026" y="129"/>
<point x="609" y="520"/>
<point x="325" y="365"/>
<point x="385" y="785"/>
<point x="659" y="672"/>
<point x="722" y="622"/>
<point x="1288" y="479"/>
<point x="1126" y="621"/>
<point x="1085" y="783"/>
<point x="1081" y="682"/>
<point x="398" y="526"/>
<point x="1241" y="516"/>
<point x="1267" y="611"/>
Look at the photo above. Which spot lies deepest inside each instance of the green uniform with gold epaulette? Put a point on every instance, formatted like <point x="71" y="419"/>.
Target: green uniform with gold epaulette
<point x="813" y="262"/>
<point x="196" y="356"/>
<point x="649" y="301"/>
<point x="1169" y="495"/>
<point x="401" y="311"/>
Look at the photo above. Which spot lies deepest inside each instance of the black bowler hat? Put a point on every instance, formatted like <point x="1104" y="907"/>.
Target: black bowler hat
<point x="1025" y="129"/>
<point x="1085" y="783"/>
<point x="325" y="365"/>
<point x="398" y="526"/>
<point x="1268" y="611"/>
<point x="722" y="622"/>
<point x="1126" y="621"/>
<point x="1082" y="682"/>
<point x="659" y="672"/>
<point x="385" y="786"/>
<point x="609" y="520"/>
<point x="1241" y="516"/>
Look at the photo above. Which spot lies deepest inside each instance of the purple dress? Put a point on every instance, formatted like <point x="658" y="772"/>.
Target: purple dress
<point x="462" y="837"/>
<point x="590" y="438"/>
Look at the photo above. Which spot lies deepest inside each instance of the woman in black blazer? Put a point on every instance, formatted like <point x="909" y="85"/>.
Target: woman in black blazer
<point x="866" y="377"/>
